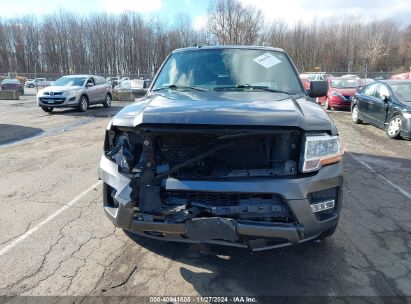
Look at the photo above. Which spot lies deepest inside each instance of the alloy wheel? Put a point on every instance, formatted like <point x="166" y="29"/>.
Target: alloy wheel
<point x="84" y="104"/>
<point x="354" y="114"/>
<point x="394" y="126"/>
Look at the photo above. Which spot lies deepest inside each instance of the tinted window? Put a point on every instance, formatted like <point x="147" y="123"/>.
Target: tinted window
<point x="344" y="83"/>
<point x="91" y="80"/>
<point x="381" y="91"/>
<point x="217" y="68"/>
<point x="98" y="80"/>
<point x="369" y="90"/>
<point x="402" y="91"/>
<point x="70" y="81"/>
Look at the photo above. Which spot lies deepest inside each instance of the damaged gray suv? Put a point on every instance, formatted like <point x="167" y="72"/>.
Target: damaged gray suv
<point x="225" y="148"/>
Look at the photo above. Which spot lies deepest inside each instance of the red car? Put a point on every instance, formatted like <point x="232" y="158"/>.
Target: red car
<point x="340" y="92"/>
<point x="402" y="76"/>
<point x="12" y="84"/>
<point x="306" y="82"/>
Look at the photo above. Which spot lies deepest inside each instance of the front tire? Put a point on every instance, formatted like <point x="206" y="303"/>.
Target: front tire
<point x="83" y="104"/>
<point x="47" y="109"/>
<point x="107" y="102"/>
<point x="355" y="115"/>
<point x="393" y="129"/>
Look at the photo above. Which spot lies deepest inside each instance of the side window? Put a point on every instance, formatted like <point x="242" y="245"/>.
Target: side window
<point x="381" y="92"/>
<point x="369" y="90"/>
<point x="97" y="80"/>
<point x="91" y="80"/>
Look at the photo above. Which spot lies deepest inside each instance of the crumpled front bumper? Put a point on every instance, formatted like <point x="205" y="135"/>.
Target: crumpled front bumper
<point x="227" y="231"/>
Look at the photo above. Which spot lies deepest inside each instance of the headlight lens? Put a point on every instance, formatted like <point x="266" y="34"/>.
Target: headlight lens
<point x="321" y="150"/>
<point x="70" y="93"/>
<point x="406" y="115"/>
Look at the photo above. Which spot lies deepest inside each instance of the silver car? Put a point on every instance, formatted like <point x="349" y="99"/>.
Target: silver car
<point x="75" y="91"/>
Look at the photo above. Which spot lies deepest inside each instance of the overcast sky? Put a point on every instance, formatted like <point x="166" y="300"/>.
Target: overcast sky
<point x="290" y="11"/>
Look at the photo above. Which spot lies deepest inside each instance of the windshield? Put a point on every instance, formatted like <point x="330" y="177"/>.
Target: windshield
<point x="402" y="91"/>
<point x="344" y="83"/>
<point x="69" y="81"/>
<point x="238" y="69"/>
<point x="10" y="81"/>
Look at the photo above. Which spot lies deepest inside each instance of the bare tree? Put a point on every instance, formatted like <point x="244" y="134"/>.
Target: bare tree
<point x="63" y="42"/>
<point x="184" y="29"/>
<point x="232" y="23"/>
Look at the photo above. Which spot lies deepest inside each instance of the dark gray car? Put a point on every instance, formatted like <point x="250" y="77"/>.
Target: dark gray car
<point x="225" y="148"/>
<point x="75" y="91"/>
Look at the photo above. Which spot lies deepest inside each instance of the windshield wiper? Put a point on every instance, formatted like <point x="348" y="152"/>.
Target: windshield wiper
<point x="248" y="86"/>
<point x="177" y="87"/>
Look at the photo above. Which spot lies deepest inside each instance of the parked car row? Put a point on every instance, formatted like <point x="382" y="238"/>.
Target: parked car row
<point x="75" y="91"/>
<point x="12" y="84"/>
<point x="315" y="76"/>
<point x="385" y="104"/>
<point x="137" y="86"/>
<point x="37" y="82"/>
<point x="115" y="81"/>
<point x="81" y="91"/>
<point x="340" y="92"/>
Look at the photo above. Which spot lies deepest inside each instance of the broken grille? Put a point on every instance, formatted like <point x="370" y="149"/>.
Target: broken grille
<point x="242" y="205"/>
<point x="215" y="198"/>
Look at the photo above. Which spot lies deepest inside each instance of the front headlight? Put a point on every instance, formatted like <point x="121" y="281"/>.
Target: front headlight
<point x="69" y="93"/>
<point x="406" y="115"/>
<point x="321" y="150"/>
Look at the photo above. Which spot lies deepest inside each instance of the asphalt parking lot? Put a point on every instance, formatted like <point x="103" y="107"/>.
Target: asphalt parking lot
<point x="56" y="240"/>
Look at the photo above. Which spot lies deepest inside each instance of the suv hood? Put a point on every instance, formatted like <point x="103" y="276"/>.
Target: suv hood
<point x="225" y="108"/>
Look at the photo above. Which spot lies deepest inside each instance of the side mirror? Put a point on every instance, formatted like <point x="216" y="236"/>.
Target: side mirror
<point x="318" y="88"/>
<point x="385" y="98"/>
<point x="89" y="85"/>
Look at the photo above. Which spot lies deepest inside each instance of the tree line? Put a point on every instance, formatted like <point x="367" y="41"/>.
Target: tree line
<point x="130" y="44"/>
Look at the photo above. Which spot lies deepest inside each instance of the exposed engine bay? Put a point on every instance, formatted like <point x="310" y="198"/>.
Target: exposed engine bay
<point x="150" y="155"/>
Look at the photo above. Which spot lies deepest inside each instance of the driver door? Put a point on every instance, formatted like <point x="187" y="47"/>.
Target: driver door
<point x="378" y="105"/>
<point x="92" y="92"/>
<point x="365" y="97"/>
